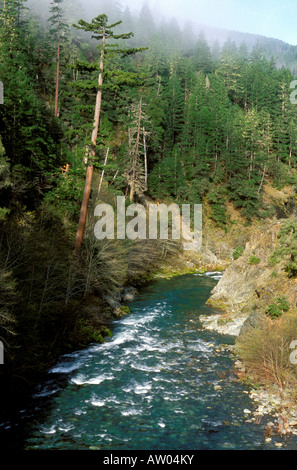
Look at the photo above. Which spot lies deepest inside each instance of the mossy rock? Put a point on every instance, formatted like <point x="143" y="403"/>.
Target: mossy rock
<point x="125" y="310"/>
<point x="224" y="321"/>
<point x="217" y="304"/>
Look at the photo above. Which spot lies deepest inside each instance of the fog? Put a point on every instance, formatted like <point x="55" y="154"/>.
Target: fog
<point x="270" y="18"/>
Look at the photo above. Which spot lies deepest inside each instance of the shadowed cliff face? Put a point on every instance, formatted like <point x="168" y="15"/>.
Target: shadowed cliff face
<point x="251" y="283"/>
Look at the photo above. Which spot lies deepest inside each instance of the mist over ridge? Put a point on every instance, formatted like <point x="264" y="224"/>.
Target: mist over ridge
<point x="146" y="20"/>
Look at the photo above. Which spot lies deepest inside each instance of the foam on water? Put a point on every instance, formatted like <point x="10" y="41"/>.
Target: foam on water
<point x="47" y="392"/>
<point x="144" y="368"/>
<point x="151" y="385"/>
<point x="217" y="275"/>
<point x="98" y="403"/>
<point x="65" y="368"/>
<point x="51" y="430"/>
<point x="142" y="389"/>
<point x="131" y="412"/>
<point x="81" y="380"/>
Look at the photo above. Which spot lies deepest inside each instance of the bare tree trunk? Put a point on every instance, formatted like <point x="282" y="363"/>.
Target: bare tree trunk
<point x="103" y="171"/>
<point x="262" y="181"/>
<point x="87" y="190"/>
<point x="145" y="158"/>
<point x="251" y="167"/>
<point x="84" y="210"/>
<point x="135" y="156"/>
<point x="57" y="78"/>
<point x="159" y="85"/>
<point x="116" y="174"/>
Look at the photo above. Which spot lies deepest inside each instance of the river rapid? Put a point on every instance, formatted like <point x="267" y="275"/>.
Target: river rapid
<point x="161" y="382"/>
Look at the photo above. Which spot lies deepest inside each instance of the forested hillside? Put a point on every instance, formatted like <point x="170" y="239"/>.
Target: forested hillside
<point x="180" y="121"/>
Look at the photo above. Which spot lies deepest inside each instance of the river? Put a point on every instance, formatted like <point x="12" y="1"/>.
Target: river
<point x="160" y="382"/>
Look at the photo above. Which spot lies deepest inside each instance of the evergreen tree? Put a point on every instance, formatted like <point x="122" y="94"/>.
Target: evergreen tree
<point x="174" y="111"/>
<point x="202" y="57"/>
<point x="102" y="31"/>
<point x="30" y="136"/>
<point x="58" y="29"/>
<point x="145" y="26"/>
<point x="229" y="68"/>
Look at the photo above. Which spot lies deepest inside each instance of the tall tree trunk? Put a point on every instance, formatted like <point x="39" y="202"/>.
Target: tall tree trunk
<point x="145" y="158"/>
<point x="262" y="180"/>
<point x="135" y="156"/>
<point x="115" y="175"/>
<point x="102" y="174"/>
<point x="57" y="78"/>
<point x="90" y="168"/>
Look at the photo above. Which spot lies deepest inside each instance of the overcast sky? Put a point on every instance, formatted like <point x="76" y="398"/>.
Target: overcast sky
<point x="271" y="18"/>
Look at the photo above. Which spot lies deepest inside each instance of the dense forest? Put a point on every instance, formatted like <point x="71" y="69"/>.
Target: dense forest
<point x="182" y="119"/>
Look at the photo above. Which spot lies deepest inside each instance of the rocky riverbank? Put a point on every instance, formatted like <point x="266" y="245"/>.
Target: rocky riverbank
<point x="249" y="285"/>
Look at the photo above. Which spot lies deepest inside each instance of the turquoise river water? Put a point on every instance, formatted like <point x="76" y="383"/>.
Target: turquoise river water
<point x="150" y="386"/>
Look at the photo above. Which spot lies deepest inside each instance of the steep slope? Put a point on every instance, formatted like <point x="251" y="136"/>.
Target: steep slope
<point x="247" y="284"/>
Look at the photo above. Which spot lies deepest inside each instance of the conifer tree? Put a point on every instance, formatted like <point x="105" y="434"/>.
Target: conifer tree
<point x="145" y="26"/>
<point x="103" y="32"/>
<point x="57" y="28"/>
<point x="202" y="55"/>
<point x="136" y="173"/>
<point x="174" y="110"/>
<point x="29" y="135"/>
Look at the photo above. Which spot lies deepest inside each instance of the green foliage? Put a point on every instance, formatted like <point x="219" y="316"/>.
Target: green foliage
<point x="29" y="133"/>
<point x="216" y="197"/>
<point x="166" y="179"/>
<point x="67" y="191"/>
<point x="8" y="300"/>
<point x="86" y="333"/>
<point x="244" y="196"/>
<point x="287" y="248"/>
<point x="254" y="260"/>
<point x="280" y="306"/>
<point x="125" y="310"/>
<point x="215" y="127"/>
<point x="238" y="252"/>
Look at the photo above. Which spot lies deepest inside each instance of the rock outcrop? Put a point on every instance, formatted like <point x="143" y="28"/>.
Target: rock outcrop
<point x="250" y="284"/>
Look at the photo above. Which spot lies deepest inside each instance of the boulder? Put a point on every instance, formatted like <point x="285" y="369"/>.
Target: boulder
<point x="129" y="294"/>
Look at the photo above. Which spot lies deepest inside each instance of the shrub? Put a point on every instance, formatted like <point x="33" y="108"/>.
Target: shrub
<point x="238" y="252"/>
<point x="8" y="298"/>
<point x="254" y="260"/>
<point x="291" y="269"/>
<point x="287" y="248"/>
<point x="276" y="309"/>
<point x="265" y="351"/>
<point x="217" y="198"/>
